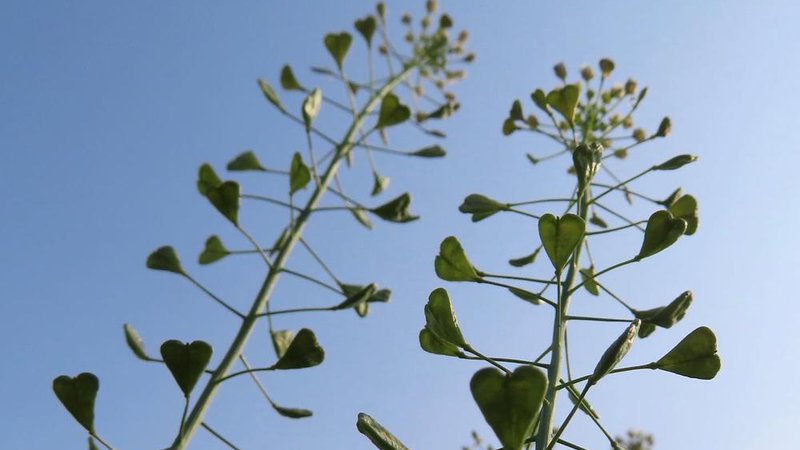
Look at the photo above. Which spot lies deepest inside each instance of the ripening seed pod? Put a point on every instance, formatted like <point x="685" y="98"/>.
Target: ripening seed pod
<point x="587" y="73"/>
<point x="561" y="71"/>
<point x="630" y="86"/>
<point x="664" y="127"/>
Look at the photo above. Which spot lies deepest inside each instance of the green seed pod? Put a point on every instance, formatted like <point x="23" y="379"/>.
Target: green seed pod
<point x="561" y="71"/>
<point x="587" y="73"/>
<point x="664" y="128"/>
<point x="614" y="354"/>
<point x="380" y="8"/>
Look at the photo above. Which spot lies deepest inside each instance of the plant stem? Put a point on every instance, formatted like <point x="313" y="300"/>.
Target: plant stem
<point x="569" y="416"/>
<point x="219" y="436"/>
<point x="248" y="324"/>
<point x="101" y="441"/>
<point x="559" y="330"/>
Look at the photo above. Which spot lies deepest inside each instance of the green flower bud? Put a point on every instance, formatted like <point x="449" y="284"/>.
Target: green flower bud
<point x="469" y="58"/>
<point x="432" y="6"/>
<point x="409" y="37"/>
<point x="617" y="91"/>
<point x="639" y="134"/>
<point x="561" y="71"/>
<point x="425" y="22"/>
<point x="627" y="123"/>
<point x="533" y="122"/>
<point x="606" y="67"/>
<point x="463" y="36"/>
<point x="630" y="86"/>
<point x="587" y="73"/>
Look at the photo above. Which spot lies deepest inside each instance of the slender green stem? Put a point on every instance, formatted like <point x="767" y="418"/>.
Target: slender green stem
<point x="611" y="230"/>
<point x="622" y="183"/>
<point x="101" y="441"/>
<point x="507" y="360"/>
<point x="512" y="277"/>
<point x="618" y="215"/>
<point x="503" y="285"/>
<point x="634" y="193"/>
<point x="533" y="202"/>
<point x="606" y="270"/>
<point x="620" y="370"/>
<point x="597" y="319"/>
<point x="214" y="297"/>
<point x="312" y="280"/>
<point x="569" y="416"/>
<point x="259" y="304"/>
<point x="615" y="297"/>
<point x="524" y="213"/>
<point x="219" y="436"/>
<point x="487" y="359"/>
<point x="543" y="354"/>
<point x="298" y="310"/>
<point x="246" y="371"/>
<point x="274" y="201"/>
<point x="183" y="415"/>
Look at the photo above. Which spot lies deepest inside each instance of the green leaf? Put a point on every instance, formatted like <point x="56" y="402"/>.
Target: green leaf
<point x="186" y="362"/>
<point x="528" y="296"/>
<point x="510" y="404"/>
<point x="207" y="179"/>
<point x="662" y="231"/>
<point x="685" y="208"/>
<point x="442" y="112"/>
<point x="436" y="345"/>
<point x="433" y="151"/>
<point x="270" y="94"/>
<point x="664" y="316"/>
<point x="78" y="395"/>
<point x="303" y="352"/>
<point x="452" y="264"/>
<point x="311" y="106"/>
<point x="392" y="112"/>
<point x="355" y="298"/>
<point x="565" y="100"/>
<point x="525" y="260"/>
<point x="560" y="237"/>
<point x="481" y="207"/>
<point x="338" y="44"/>
<point x="292" y="413"/>
<point x="244" y="162"/>
<point x="441" y="320"/>
<point x="676" y="162"/>
<point x="213" y="251"/>
<point x="288" y="80"/>
<point x="135" y="343"/>
<point x="366" y="27"/>
<point x="540" y="100"/>
<point x="361" y="217"/>
<point x="395" y="210"/>
<point x="380" y="437"/>
<point x="299" y="174"/>
<point x="380" y="183"/>
<point x="225" y="198"/>
<point x="588" y="281"/>
<point x="165" y="258"/>
<point x="614" y="354"/>
<point x="695" y="356"/>
<point x="281" y="339"/>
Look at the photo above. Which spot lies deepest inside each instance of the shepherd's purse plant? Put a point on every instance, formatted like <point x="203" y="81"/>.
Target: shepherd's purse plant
<point x="422" y="72"/>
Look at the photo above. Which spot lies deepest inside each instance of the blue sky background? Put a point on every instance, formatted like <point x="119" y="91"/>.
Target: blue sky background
<point x="108" y="108"/>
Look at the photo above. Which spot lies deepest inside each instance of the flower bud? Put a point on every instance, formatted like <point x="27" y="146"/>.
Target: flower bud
<point x="463" y="36"/>
<point x="627" y="122"/>
<point x="432" y="6"/>
<point x="606" y="67"/>
<point x="630" y="86"/>
<point x="406" y="19"/>
<point x="587" y="73"/>
<point x="409" y="37"/>
<point x="470" y="57"/>
<point x="639" y="134"/>
<point x="383" y="50"/>
<point x="425" y="22"/>
<point x="617" y="91"/>
<point x="532" y="121"/>
<point x="561" y="71"/>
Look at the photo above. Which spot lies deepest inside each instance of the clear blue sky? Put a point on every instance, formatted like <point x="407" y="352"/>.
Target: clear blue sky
<point x="107" y="109"/>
